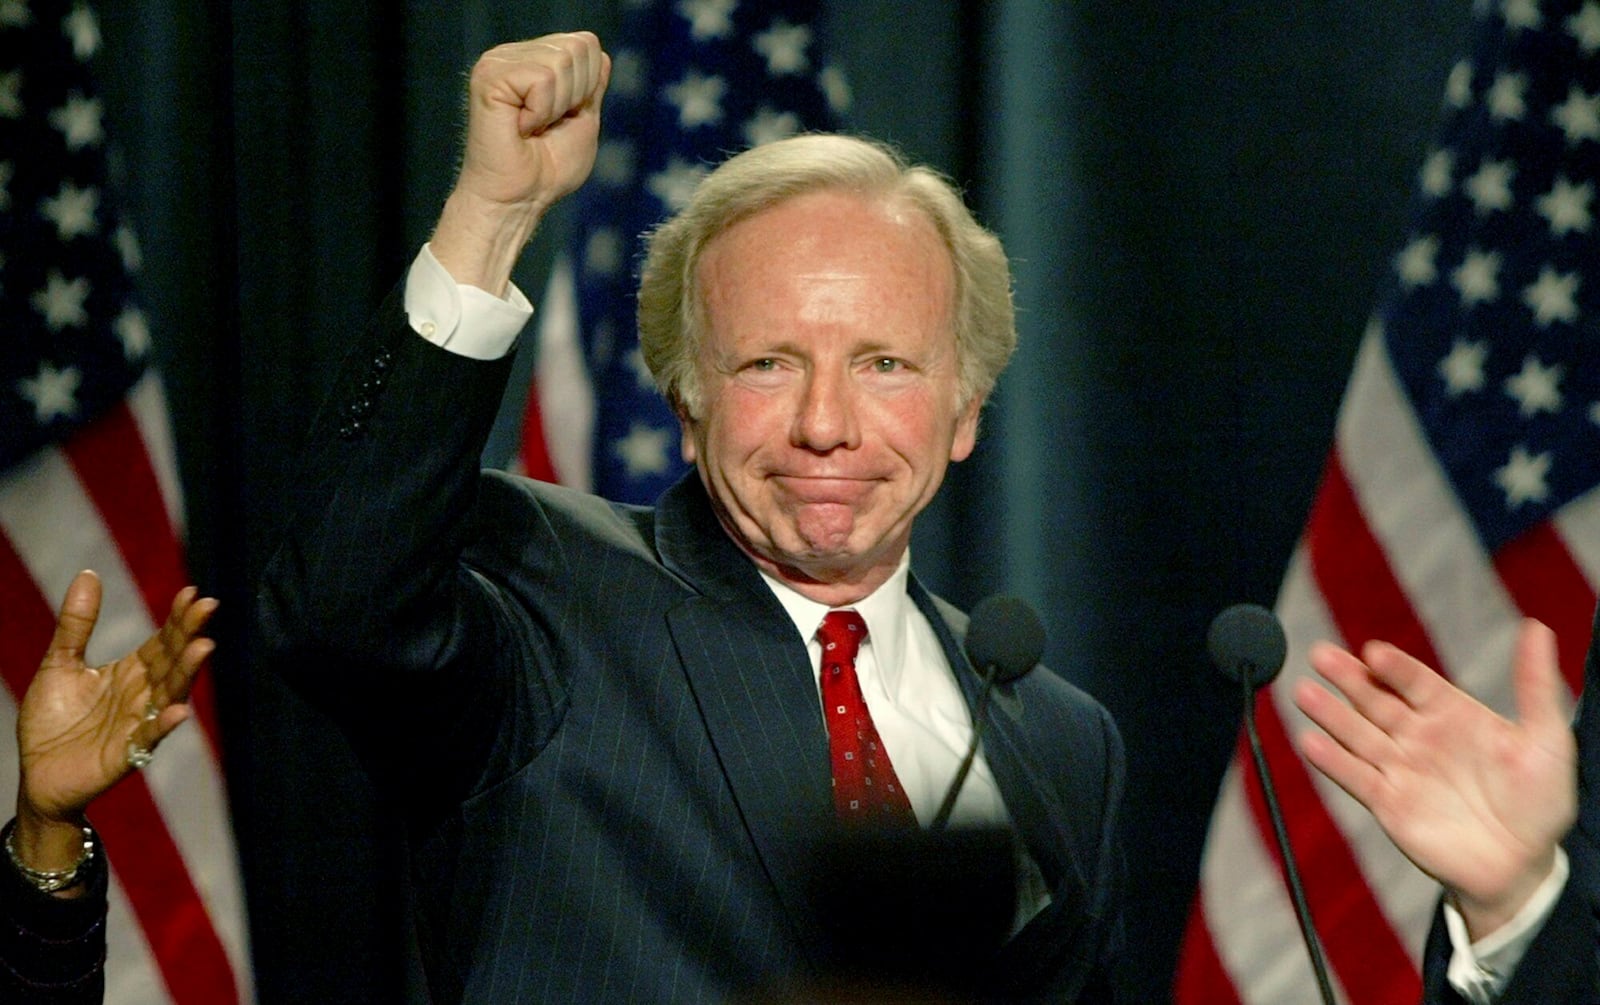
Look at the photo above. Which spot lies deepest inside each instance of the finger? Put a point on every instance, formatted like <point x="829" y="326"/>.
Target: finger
<point x="176" y="679"/>
<point x="1544" y="705"/>
<point x="1412" y="680"/>
<point x="544" y="79"/>
<point x="150" y="732"/>
<point x="1360" y="780"/>
<point x="80" y="609"/>
<point x="1360" y="686"/>
<point x="1344" y="725"/>
<point x="185" y="621"/>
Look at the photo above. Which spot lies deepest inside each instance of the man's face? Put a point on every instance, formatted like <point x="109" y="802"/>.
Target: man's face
<point x="830" y="387"/>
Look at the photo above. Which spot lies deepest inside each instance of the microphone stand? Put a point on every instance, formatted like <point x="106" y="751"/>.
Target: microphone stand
<point x="1297" y="892"/>
<point x="978" y="716"/>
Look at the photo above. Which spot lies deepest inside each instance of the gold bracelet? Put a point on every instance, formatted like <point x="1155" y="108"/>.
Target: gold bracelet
<point x="50" y="881"/>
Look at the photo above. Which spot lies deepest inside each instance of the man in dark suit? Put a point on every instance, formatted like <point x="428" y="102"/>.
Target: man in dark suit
<point x="1484" y="805"/>
<point x="606" y="723"/>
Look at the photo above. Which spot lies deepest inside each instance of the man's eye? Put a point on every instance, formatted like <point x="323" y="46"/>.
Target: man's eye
<point x="886" y="364"/>
<point x="764" y="365"/>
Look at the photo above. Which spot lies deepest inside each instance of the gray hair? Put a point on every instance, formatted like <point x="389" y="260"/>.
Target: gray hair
<point x="670" y="308"/>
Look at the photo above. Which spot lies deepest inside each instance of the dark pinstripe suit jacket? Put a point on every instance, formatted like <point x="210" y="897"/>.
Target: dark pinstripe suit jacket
<point x="1562" y="965"/>
<point x="603" y="723"/>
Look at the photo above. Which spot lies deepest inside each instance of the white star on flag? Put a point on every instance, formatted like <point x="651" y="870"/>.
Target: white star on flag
<point x="784" y="47"/>
<point x="1521" y="14"/>
<point x="836" y="88"/>
<point x="698" y="98"/>
<point x="79" y="122"/>
<point x="1462" y="368"/>
<point x="641" y="370"/>
<point x="1523" y="478"/>
<point x="627" y="74"/>
<point x="1535" y="387"/>
<point x="675" y="185"/>
<point x="708" y="19"/>
<point x="133" y="332"/>
<point x="1458" y="87"/>
<point x="614" y="162"/>
<point x="62" y="301"/>
<point x="72" y="211"/>
<point x="603" y="252"/>
<point x="767" y="126"/>
<point x="1566" y="206"/>
<point x="127" y="244"/>
<point x="644" y="450"/>
<point x="1489" y="188"/>
<point x="1477" y="277"/>
<point x="1437" y="173"/>
<point x="1553" y="296"/>
<point x="1585" y="27"/>
<point x="1415" y="263"/>
<point x="1578" y="116"/>
<point x="54" y="393"/>
<point x="1506" y="97"/>
<point x="81" y="27"/>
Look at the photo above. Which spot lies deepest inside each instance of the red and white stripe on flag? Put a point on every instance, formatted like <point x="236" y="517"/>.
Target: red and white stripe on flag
<point x="106" y="498"/>
<point x="557" y="440"/>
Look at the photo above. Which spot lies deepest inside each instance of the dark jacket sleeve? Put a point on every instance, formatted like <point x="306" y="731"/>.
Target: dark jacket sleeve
<point x="367" y="606"/>
<point x="1562" y="964"/>
<point x="52" y="951"/>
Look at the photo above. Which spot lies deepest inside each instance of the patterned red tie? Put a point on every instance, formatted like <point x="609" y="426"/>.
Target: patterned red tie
<point x="865" y="789"/>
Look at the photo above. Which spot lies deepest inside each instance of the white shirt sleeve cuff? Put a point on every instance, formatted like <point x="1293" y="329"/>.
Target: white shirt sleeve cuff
<point x="1480" y="970"/>
<point x="462" y="319"/>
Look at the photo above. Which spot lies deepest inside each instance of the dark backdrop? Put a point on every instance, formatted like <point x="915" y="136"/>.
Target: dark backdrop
<point x="1199" y="199"/>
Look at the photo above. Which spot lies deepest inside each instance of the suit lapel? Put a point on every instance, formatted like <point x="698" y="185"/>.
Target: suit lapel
<point x="752" y="681"/>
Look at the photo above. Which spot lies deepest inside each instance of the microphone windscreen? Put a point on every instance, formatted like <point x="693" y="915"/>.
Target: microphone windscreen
<point x="1247" y="644"/>
<point x="1005" y="633"/>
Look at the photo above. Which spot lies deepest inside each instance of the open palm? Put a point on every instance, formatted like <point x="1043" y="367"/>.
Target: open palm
<point x="76" y="721"/>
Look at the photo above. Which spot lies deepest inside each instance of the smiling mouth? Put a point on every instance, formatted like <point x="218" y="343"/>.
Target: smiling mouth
<point x="824" y="488"/>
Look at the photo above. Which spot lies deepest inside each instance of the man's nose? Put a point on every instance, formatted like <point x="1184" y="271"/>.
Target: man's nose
<point x="827" y="417"/>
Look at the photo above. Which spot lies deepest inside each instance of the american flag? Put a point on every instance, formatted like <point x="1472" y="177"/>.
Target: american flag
<point x="692" y="81"/>
<point x="87" y="480"/>
<point x="1459" y="496"/>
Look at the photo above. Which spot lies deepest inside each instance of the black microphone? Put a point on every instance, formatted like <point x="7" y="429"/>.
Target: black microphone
<point x="1247" y="644"/>
<point x="1004" y="642"/>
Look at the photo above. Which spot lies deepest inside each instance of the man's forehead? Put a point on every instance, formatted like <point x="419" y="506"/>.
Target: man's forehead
<point x="828" y="234"/>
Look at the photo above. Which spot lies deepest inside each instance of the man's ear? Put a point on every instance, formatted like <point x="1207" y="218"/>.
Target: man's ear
<point x="688" y="447"/>
<point x="966" y="437"/>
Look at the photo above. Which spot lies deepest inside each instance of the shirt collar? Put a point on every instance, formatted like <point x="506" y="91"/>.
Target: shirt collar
<point x="886" y="611"/>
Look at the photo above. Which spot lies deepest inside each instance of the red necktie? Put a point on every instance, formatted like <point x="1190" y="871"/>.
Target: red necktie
<point x="865" y="789"/>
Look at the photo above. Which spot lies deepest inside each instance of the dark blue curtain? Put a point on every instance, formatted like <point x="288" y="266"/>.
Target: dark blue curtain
<point x="1199" y="200"/>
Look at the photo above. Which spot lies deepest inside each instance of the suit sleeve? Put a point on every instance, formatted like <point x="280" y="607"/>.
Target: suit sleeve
<point x="367" y="605"/>
<point x="1562" y="964"/>
<point x="52" y="951"/>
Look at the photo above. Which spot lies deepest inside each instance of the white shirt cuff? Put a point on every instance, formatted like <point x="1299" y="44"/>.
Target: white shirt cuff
<point x="460" y="318"/>
<point x="1481" y="970"/>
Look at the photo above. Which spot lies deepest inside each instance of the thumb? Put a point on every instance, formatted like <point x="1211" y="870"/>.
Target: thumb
<point x="79" y="612"/>
<point x="1543" y="703"/>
